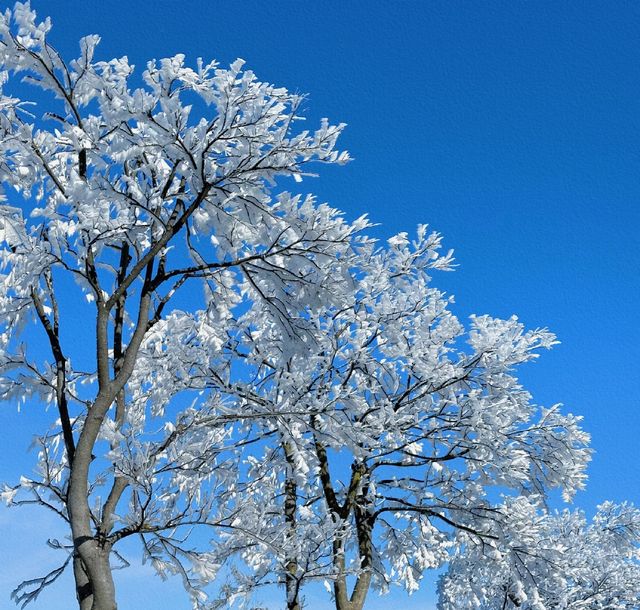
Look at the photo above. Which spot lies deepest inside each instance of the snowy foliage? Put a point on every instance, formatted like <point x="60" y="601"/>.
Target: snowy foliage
<point x="227" y="356"/>
<point x="426" y="427"/>
<point x="545" y="561"/>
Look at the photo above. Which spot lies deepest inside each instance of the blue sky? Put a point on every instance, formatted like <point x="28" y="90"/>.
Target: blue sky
<point x="513" y="128"/>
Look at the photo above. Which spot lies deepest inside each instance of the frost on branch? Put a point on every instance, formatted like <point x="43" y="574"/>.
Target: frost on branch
<point x="549" y="561"/>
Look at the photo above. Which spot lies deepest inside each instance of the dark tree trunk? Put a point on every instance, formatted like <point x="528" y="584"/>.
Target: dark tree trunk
<point x="292" y="579"/>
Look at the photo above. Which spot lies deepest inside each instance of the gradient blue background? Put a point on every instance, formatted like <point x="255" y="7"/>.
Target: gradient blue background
<point x="513" y="128"/>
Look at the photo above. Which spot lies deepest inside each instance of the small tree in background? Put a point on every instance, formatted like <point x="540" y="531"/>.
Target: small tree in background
<point x="551" y="562"/>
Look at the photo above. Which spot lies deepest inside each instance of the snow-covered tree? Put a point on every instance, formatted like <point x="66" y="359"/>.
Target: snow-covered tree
<point x="544" y="561"/>
<point x="391" y="435"/>
<point x="226" y="356"/>
<point x="119" y="193"/>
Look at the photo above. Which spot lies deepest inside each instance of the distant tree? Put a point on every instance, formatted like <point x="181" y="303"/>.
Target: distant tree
<point x="548" y="561"/>
<point x="386" y="436"/>
<point x="131" y="193"/>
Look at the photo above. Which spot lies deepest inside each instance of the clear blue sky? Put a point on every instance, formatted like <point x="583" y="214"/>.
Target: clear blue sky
<point x="513" y="128"/>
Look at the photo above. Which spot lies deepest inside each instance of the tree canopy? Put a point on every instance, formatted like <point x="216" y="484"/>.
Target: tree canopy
<point x="224" y="355"/>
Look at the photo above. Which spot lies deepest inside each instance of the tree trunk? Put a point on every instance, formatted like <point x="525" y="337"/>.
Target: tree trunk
<point x="342" y="599"/>
<point x="91" y="569"/>
<point x="95" y="589"/>
<point x="340" y="591"/>
<point x="84" y="592"/>
<point x="292" y="580"/>
<point x="101" y="578"/>
<point x="364" y="527"/>
<point x="92" y="549"/>
<point x="356" y="600"/>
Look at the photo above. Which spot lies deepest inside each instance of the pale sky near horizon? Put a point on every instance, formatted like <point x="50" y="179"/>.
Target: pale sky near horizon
<point x="513" y="128"/>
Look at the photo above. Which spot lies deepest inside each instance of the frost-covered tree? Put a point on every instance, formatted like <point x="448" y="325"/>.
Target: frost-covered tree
<point x="544" y="561"/>
<point x="391" y="435"/>
<point x="119" y="194"/>
<point x="225" y="356"/>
